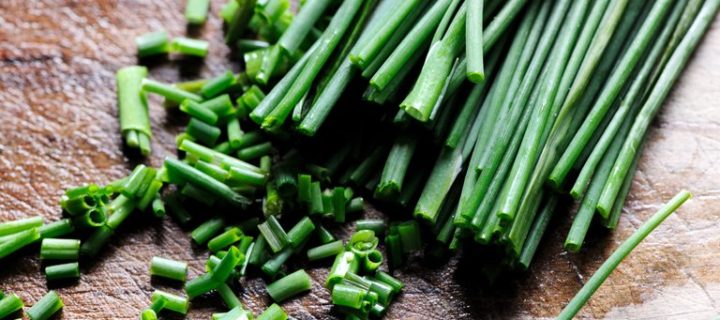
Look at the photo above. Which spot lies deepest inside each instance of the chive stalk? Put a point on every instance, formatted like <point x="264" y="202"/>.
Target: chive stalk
<point x="474" y="41"/>
<point x="289" y="286"/>
<point x="46" y="307"/>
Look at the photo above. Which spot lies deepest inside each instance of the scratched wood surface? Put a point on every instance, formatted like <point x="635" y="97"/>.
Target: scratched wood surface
<point x="59" y="128"/>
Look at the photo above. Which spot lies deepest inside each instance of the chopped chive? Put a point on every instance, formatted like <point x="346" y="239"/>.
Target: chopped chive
<point x="17" y="241"/>
<point x="252" y="97"/>
<point x="192" y="192"/>
<point x="174" y="303"/>
<point x="309" y="14"/>
<point x="59" y="249"/>
<point x="56" y="229"/>
<point x="170" y="92"/>
<point x="225" y="239"/>
<point x="228" y="296"/>
<point x="316" y="198"/>
<point x="177" y="210"/>
<point x="185" y="172"/>
<point x="375" y="225"/>
<point x="197" y="111"/>
<point x="196" y="11"/>
<point x="158" y="207"/>
<point x="227" y="265"/>
<point x="200" y="285"/>
<point x="203" y="132"/>
<point x="255" y="151"/>
<point x="217" y="85"/>
<point x="91" y="247"/>
<point x="46" y="307"/>
<point x="394" y="250"/>
<point x="12" y="227"/>
<point x="356" y="205"/>
<point x="152" y="43"/>
<point x="274" y="234"/>
<point x="247" y="45"/>
<point x="238" y="20"/>
<point x="300" y="232"/>
<point x="324" y="235"/>
<point x="10" y="304"/>
<point x="62" y="271"/>
<point x="259" y="254"/>
<point x="132" y="106"/>
<point x="339" y="203"/>
<point x="396" y="284"/>
<point x="641" y="233"/>
<point x="221" y="105"/>
<point x="348" y="296"/>
<point x="326" y="250"/>
<point x="273" y="312"/>
<point x="409" y="233"/>
<point x="190" y="47"/>
<point x="151" y="193"/>
<point x="396" y="166"/>
<point x="344" y="262"/>
<point x="237" y="313"/>
<point x="207" y="230"/>
<point x="372" y="261"/>
<point x="304" y="188"/>
<point x="272" y="266"/>
<point x="148" y="314"/>
<point x="212" y="156"/>
<point x="169" y="269"/>
<point x="289" y="286"/>
<point x="120" y="208"/>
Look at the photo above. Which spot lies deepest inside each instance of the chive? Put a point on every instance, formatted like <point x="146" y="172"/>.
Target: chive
<point x="135" y="181"/>
<point x="339" y="203"/>
<point x="356" y="205"/>
<point x="252" y="97"/>
<point x="148" y="314"/>
<point x="372" y="261"/>
<point x="247" y="45"/>
<point x="597" y="279"/>
<point x="190" y="47"/>
<point x="132" y="106"/>
<point x="207" y="230"/>
<point x="348" y="296"/>
<point x="344" y="262"/>
<point x="309" y="14"/>
<point x="158" y="207"/>
<point x="304" y="187"/>
<point x="326" y="250"/>
<point x="274" y="234"/>
<point x="228" y="296"/>
<point x="316" y="198"/>
<point x="174" y="303"/>
<point x="654" y="102"/>
<point x="200" y="285"/>
<point x="227" y="265"/>
<point x="169" y="269"/>
<point x="614" y="216"/>
<point x="170" y="92"/>
<point x="239" y="19"/>
<point x="56" y="229"/>
<point x="474" y="41"/>
<point x="193" y="86"/>
<point x="246" y="176"/>
<point x="221" y="105"/>
<point x="197" y="111"/>
<point x="536" y="232"/>
<point x="396" y="166"/>
<point x="203" y="132"/>
<point x="273" y="312"/>
<point x="10" y="304"/>
<point x="255" y="151"/>
<point x="327" y="43"/>
<point x="225" y="239"/>
<point x="196" y="11"/>
<point x="290" y="285"/>
<point x="17" y="241"/>
<point x="300" y="232"/>
<point x="383" y="277"/>
<point x="259" y="254"/>
<point x="150" y="194"/>
<point x="12" y="227"/>
<point x="62" y="271"/>
<point x="444" y="173"/>
<point x="217" y="85"/>
<point x="152" y="43"/>
<point x="394" y="250"/>
<point x="212" y="156"/>
<point x="91" y="247"/>
<point x="409" y="233"/>
<point x="184" y="172"/>
<point x="177" y="209"/>
<point x="59" y="249"/>
<point x="375" y="225"/>
<point x="237" y="313"/>
<point x="46" y="307"/>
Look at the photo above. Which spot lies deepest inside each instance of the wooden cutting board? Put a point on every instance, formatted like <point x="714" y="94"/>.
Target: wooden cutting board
<point x="59" y="128"/>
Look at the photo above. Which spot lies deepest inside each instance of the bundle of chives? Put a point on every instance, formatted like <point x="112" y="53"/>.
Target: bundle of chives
<point x="45" y="307"/>
<point x="289" y="286"/>
<point x="133" y="108"/>
<point x="169" y="269"/>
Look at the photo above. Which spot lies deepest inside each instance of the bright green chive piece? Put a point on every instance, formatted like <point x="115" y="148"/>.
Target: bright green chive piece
<point x="204" y="232"/>
<point x="10" y="304"/>
<point x="59" y="249"/>
<point x="183" y="172"/>
<point x="254" y="152"/>
<point x="274" y="234"/>
<point x="474" y="41"/>
<point x="174" y="303"/>
<point x="326" y="250"/>
<point x="158" y="207"/>
<point x="152" y="43"/>
<point x="394" y="250"/>
<point x="97" y="240"/>
<point x="197" y="111"/>
<point x="212" y="156"/>
<point x="17" y="241"/>
<point x="190" y="47"/>
<point x="356" y="205"/>
<point x="237" y="313"/>
<point x="339" y="203"/>
<point x="396" y="166"/>
<point x="300" y="232"/>
<point x="196" y="11"/>
<point x="363" y="242"/>
<point x="203" y="132"/>
<point x="200" y="285"/>
<point x="57" y="229"/>
<point x="218" y="85"/>
<point x="16" y="226"/>
<point x="252" y="97"/>
<point x="266" y="163"/>
<point x="324" y="235"/>
<point x="348" y="296"/>
<point x="234" y="132"/>
<point x="63" y="271"/>
<point x="290" y="285"/>
<point x="376" y="225"/>
<point x="273" y="312"/>
<point x="304" y="183"/>
<point x="238" y="19"/>
<point x="169" y="92"/>
<point x="169" y="269"/>
<point x="231" y="300"/>
<point x="247" y="45"/>
<point x="45" y="307"/>
<point x="133" y="107"/>
<point x="396" y="284"/>
<point x="246" y="176"/>
<point x="621" y="252"/>
<point x="148" y="314"/>
<point x="91" y="219"/>
<point x="309" y="14"/>
<point x="227" y="265"/>
<point x="225" y="239"/>
<point x="409" y="233"/>
<point x="316" y="198"/>
<point x="344" y="262"/>
<point x="272" y="266"/>
<point x="372" y="261"/>
<point x="221" y="105"/>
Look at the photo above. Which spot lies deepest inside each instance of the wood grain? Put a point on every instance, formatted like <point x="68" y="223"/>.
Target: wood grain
<point x="58" y="128"/>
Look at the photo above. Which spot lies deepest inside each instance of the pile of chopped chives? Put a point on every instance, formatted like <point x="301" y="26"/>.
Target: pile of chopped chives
<point x="480" y="148"/>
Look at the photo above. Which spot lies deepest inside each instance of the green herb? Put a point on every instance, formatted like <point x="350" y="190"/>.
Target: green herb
<point x="289" y="286"/>
<point x="196" y="11"/>
<point x="46" y="307"/>
<point x="152" y="43"/>
<point x="169" y="269"/>
<point x="62" y="271"/>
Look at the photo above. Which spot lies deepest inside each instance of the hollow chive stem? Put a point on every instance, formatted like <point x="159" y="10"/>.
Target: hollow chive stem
<point x="222" y="271"/>
<point x="17" y="241"/>
<point x="225" y="239"/>
<point x="446" y="169"/>
<point x="204" y="232"/>
<point x="217" y="85"/>
<point x="10" y="304"/>
<point x="196" y="11"/>
<point x="372" y="261"/>
<point x="654" y="102"/>
<point x="184" y="172"/>
<point x="274" y="234"/>
<point x="474" y="41"/>
<point x="375" y="225"/>
<point x="289" y="286"/>
<point x="344" y="262"/>
<point x="327" y="43"/>
<point x="255" y="151"/>
<point x="200" y="285"/>
<point x="12" y="227"/>
<point x="97" y="240"/>
<point x="536" y="232"/>
<point x="212" y="156"/>
<point x="170" y="92"/>
<point x="614" y="85"/>
<point x="203" y="132"/>
<point x="133" y="107"/>
<point x="237" y="18"/>
<point x="247" y="45"/>
<point x="330" y="249"/>
<point x="300" y="232"/>
<point x="174" y="303"/>
<point x="298" y="30"/>
<point x="62" y="271"/>
<point x="348" y="296"/>
<point x="59" y="249"/>
<point x="197" y="111"/>
<point x="226" y="293"/>
<point x="152" y="43"/>
<point x="641" y="233"/>
<point x="56" y="229"/>
<point x="190" y="47"/>
<point x="148" y="314"/>
<point x="170" y="269"/>
<point x="396" y="166"/>
<point x="273" y="312"/>
<point x="46" y="307"/>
